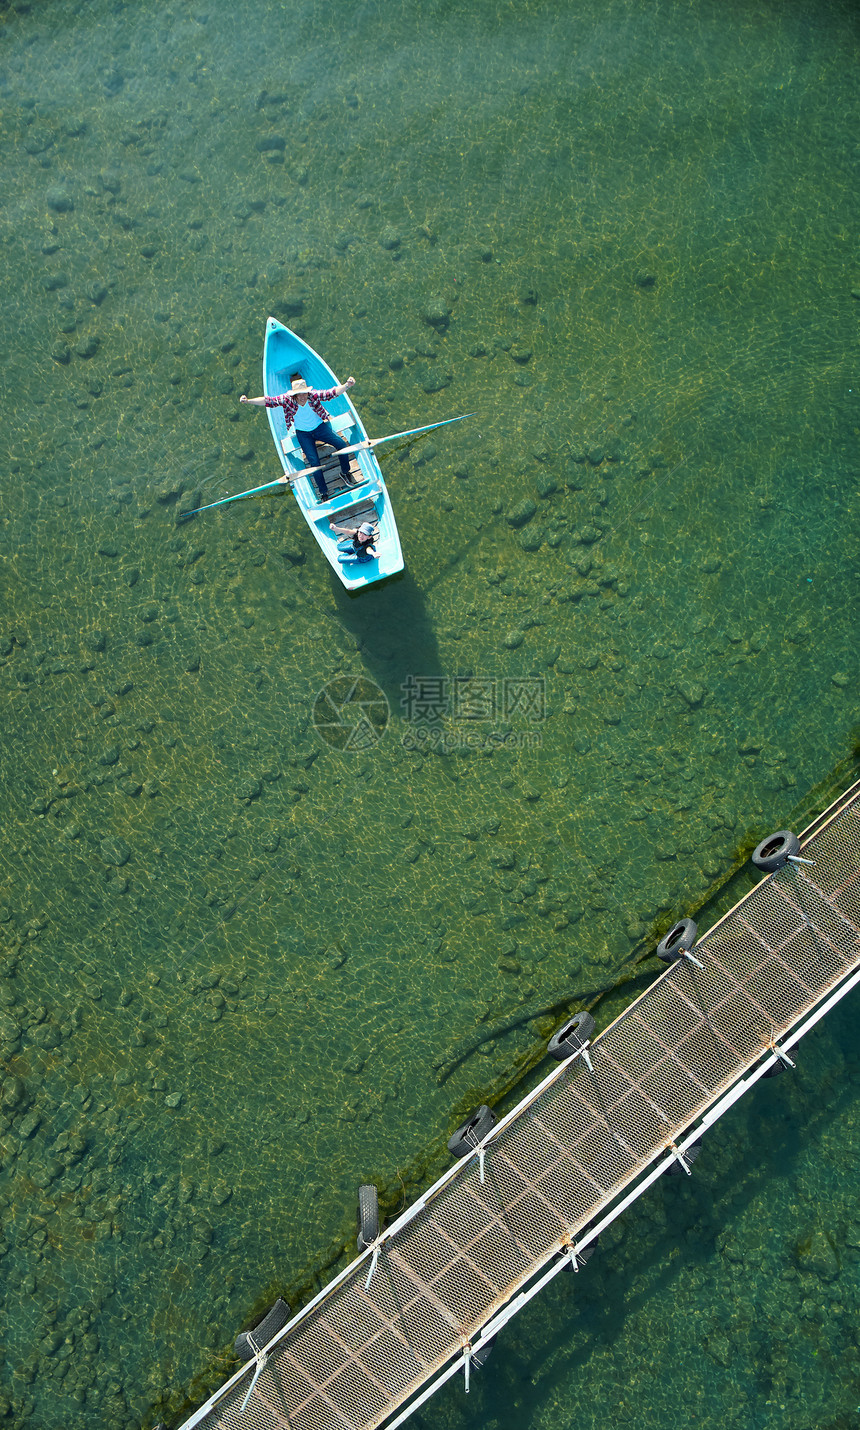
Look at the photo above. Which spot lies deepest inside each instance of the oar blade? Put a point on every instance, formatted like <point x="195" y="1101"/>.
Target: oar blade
<point x="413" y="432"/>
<point x="224" y="500"/>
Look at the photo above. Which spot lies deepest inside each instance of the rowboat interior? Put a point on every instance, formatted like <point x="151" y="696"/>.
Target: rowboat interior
<point x="332" y="475"/>
<point x="349" y="501"/>
<point x="336" y="483"/>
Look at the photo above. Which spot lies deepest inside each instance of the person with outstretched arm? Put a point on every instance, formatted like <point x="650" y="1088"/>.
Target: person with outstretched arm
<point x="361" y="547"/>
<point x="303" y="406"/>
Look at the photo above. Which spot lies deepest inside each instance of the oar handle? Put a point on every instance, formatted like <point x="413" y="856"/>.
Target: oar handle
<point x="339" y="452"/>
<point x="366" y="444"/>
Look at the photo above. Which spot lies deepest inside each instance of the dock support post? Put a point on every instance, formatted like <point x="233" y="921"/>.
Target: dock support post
<point x="261" y="1358"/>
<point x="679" y="1157"/>
<point x="373" y="1260"/>
<point x="783" y="1057"/>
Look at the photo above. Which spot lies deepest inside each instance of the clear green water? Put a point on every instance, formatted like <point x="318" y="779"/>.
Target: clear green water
<point x="233" y="955"/>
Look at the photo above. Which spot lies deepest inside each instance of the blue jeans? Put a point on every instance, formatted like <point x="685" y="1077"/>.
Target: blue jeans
<point x="308" y="443"/>
<point x="346" y="552"/>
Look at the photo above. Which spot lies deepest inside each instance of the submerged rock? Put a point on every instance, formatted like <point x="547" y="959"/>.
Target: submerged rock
<point x="14" y="1093"/>
<point x="59" y="199"/>
<point x="816" y="1254"/>
<point x="433" y="379"/>
<point x="249" y="789"/>
<point x="437" y="313"/>
<point x="692" y="692"/>
<point x="522" y="513"/>
<point x="719" y="1348"/>
<point x="509" y="965"/>
<point x="115" y="852"/>
<point x="27" y="1126"/>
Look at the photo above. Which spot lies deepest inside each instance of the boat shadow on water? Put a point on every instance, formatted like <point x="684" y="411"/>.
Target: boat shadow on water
<point x="393" y="632"/>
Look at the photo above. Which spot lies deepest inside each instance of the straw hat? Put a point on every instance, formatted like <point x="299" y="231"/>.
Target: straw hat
<point x="299" y="385"/>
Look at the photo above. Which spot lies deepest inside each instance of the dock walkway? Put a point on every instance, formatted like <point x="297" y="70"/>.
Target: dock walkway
<point x="444" y="1278"/>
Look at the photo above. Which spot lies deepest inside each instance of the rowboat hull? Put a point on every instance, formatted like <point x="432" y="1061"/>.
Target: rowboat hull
<point x="285" y="355"/>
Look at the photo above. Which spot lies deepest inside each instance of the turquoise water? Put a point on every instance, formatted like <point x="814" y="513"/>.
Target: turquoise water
<point x="238" y="960"/>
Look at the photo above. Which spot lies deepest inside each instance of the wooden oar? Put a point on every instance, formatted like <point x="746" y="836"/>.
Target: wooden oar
<point x="343" y="451"/>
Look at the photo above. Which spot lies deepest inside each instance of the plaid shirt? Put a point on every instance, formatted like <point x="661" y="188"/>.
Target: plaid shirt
<point x="291" y="407"/>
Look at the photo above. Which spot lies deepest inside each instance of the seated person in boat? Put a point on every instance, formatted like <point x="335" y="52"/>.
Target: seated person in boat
<point x="361" y="547"/>
<point x="303" y="406"/>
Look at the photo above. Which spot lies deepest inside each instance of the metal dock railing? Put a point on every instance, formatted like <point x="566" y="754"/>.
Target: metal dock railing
<point x="437" y="1286"/>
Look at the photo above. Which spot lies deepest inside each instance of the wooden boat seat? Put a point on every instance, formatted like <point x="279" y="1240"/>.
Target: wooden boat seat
<point x="333" y="476"/>
<point x="356" y="512"/>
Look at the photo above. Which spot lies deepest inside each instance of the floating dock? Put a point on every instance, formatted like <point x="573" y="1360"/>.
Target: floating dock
<point x="428" y="1297"/>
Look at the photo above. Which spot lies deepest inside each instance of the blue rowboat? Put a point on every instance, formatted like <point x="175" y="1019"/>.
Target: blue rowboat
<point x="286" y="356"/>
